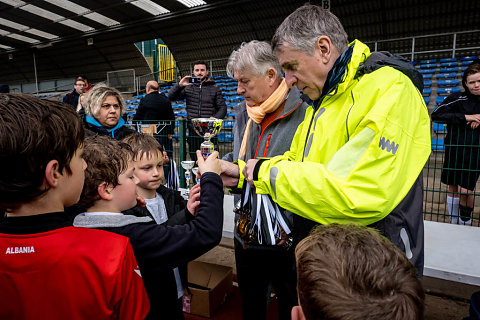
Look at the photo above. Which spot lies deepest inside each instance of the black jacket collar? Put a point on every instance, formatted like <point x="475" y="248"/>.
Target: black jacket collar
<point x="35" y="224"/>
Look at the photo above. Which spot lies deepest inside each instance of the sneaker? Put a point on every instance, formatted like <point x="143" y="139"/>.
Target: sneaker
<point x="466" y="222"/>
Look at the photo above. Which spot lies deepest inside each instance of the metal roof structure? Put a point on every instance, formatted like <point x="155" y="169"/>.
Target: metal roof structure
<point x="64" y="38"/>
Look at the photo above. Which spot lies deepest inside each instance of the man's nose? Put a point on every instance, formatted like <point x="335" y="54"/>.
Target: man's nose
<point x="240" y="90"/>
<point x="290" y="79"/>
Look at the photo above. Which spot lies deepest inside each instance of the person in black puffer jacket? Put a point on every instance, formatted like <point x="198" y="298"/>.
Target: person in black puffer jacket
<point x="104" y="107"/>
<point x="204" y="100"/>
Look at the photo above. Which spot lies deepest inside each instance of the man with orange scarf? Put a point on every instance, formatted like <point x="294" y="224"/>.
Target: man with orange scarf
<point x="269" y="117"/>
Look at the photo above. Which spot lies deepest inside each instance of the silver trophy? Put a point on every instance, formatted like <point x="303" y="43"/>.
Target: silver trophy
<point x="207" y="128"/>
<point x="187" y="165"/>
<point x="195" y="170"/>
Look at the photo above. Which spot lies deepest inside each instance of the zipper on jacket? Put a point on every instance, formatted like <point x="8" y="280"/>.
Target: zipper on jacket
<point x="261" y="135"/>
<point x="266" y="145"/>
<point x="310" y="126"/>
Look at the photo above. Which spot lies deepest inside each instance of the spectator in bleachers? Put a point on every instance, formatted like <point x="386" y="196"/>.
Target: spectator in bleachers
<point x="156" y="106"/>
<point x="203" y="100"/>
<point x="271" y="113"/>
<point x="351" y="272"/>
<point x="461" y="167"/>
<point x="71" y="98"/>
<point x="88" y="85"/>
<point x="104" y="107"/>
<point x="358" y="155"/>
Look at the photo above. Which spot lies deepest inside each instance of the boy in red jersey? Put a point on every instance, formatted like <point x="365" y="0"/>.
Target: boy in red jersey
<point x="48" y="268"/>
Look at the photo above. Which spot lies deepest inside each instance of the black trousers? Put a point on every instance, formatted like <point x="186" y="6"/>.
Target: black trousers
<point x="257" y="269"/>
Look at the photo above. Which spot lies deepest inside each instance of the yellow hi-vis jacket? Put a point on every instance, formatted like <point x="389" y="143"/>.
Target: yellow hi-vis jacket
<point x="357" y="156"/>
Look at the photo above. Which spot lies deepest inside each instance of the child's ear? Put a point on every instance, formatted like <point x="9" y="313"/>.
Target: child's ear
<point x="105" y="191"/>
<point x="52" y="174"/>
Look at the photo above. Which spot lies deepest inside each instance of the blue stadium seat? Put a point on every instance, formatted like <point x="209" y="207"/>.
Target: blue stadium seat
<point x="428" y="65"/>
<point x="446" y="75"/>
<point x="450" y="69"/>
<point x="448" y="82"/>
<point x="440" y="99"/>
<point x="427" y="92"/>
<point x="423" y="71"/>
<point x="427" y="76"/>
<point x="464" y="68"/>
<point x="468" y="58"/>
<point x="429" y="61"/>
<point x="448" y="90"/>
<point x="449" y="64"/>
<point x="427" y="100"/>
<point x="466" y="62"/>
<point x="439" y="127"/>
<point x="225" y="137"/>
<point x="437" y="144"/>
<point x="448" y="60"/>
<point x="427" y="83"/>
<point x="228" y="124"/>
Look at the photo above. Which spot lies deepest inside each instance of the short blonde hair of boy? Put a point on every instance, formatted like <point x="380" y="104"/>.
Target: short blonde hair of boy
<point x="95" y="97"/>
<point x="143" y="145"/>
<point x="352" y="272"/>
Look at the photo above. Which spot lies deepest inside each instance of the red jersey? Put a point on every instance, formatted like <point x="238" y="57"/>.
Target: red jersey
<point x="69" y="273"/>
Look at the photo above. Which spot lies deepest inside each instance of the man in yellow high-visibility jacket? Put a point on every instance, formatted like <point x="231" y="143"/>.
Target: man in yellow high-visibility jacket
<point x="359" y="153"/>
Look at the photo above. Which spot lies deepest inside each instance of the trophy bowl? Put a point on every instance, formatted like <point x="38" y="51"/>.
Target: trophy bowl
<point x="207" y="128"/>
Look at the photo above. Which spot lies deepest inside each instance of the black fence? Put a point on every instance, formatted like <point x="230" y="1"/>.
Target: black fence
<point x="451" y="175"/>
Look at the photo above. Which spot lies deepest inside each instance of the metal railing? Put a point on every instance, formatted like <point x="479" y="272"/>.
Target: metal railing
<point x="454" y="161"/>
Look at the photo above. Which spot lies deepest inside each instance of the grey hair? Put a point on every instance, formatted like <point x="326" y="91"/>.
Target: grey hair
<point x="301" y="29"/>
<point x="94" y="99"/>
<point x="255" y="57"/>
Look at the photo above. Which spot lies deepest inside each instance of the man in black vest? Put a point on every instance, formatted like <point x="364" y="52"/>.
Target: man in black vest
<point x="156" y="106"/>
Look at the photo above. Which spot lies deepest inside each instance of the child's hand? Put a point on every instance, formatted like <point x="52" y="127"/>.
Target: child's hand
<point x="211" y="164"/>
<point x="194" y="200"/>
<point x="140" y="201"/>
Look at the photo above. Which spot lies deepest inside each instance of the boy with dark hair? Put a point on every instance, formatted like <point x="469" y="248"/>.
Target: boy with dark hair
<point x="110" y="188"/>
<point x="45" y="260"/>
<point x="352" y="272"/>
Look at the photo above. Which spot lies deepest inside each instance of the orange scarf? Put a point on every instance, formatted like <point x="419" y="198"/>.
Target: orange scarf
<point x="258" y="113"/>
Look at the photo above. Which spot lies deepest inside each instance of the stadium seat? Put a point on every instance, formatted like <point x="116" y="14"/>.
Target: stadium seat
<point x="437" y="144"/>
<point x="450" y="69"/>
<point x="449" y="64"/>
<point x="448" y="60"/>
<point x="468" y="58"/>
<point x="427" y="76"/>
<point x="448" y="90"/>
<point x="464" y="68"/>
<point x="466" y="62"/>
<point x="427" y="92"/>
<point x="445" y="75"/>
<point x="428" y="65"/>
<point x="426" y="99"/>
<point x="448" y="82"/>
<point x="423" y="71"/>
<point x="225" y="137"/>
<point x="427" y="83"/>
<point x="228" y="124"/>
<point x="428" y="61"/>
<point x="440" y="99"/>
<point x="439" y="127"/>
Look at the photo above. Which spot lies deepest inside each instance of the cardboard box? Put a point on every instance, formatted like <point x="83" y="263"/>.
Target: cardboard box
<point x="209" y="285"/>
